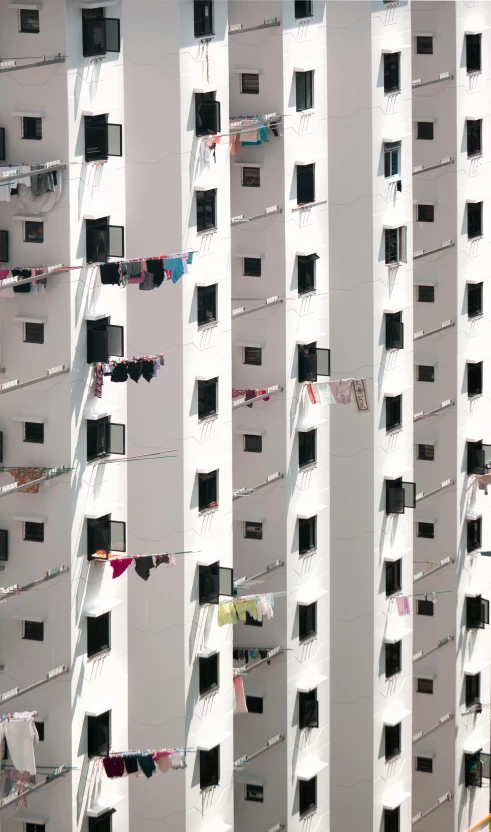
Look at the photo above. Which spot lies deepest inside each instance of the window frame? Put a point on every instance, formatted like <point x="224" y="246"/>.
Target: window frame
<point x="100" y="125"/>
<point x="307" y="532"/>
<point x="256" y="536"/>
<point x="422" y="682"/>
<point x="393" y="413"/>
<point x="31" y="128"/>
<point x="247" y="356"/>
<point x="29" y="533"/>
<point x="472" y="688"/>
<point x="419" y="528"/>
<point x="250" y="176"/>
<point x="33" y="428"/>
<point x="306" y="273"/>
<point x="206" y="203"/>
<point x="39" y="238"/>
<point x="392" y="819"/>
<point x="208" y="494"/>
<point x="101" y="337"/>
<point x="4" y="245"/>
<point x="25" y="13"/>
<point x="303" y="8"/>
<point x="207" y="114"/>
<point x="307" y="448"/>
<point x="96" y="824"/>
<point x="103" y="527"/>
<point x="395" y="245"/>
<point x="393" y="659"/>
<point x="208" y="673"/>
<point x="392" y="72"/>
<point x="426" y="371"/>
<point x="475" y="379"/>
<point x="305" y="184"/>
<point x="307" y="621"/>
<point x="474" y="137"/>
<point x="110" y="33"/>
<point x="475" y="220"/>
<point x="473" y="53"/>
<point x="98" y="635"/>
<point x="474" y="534"/>
<point x="476" y="612"/>
<point x="424" y="453"/>
<point x="425" y="607"/>
<point x="254" y="271"/>
<point x="421" y="289"/>
<point x="393" y="743"/>
<point x="95" y="724"/>
<point x="252" y="705"/>
<point x="207" y="398"/>
<point x="249" y="76"/>
<point x="419" y="42"/>
<point x="207" y="303"/>
<point x="475" y="299"/>
<point x="212" y="759"/>
<point x="308" y="710"/>
<point x="98" y="233"/>
<point x="32" y="630"/>
<point x="249" y="790"/>
<point x="425" y="212"/>
<point x="103" y="438"/>
<point x="304" y="90"/>
<point x="421" y="128"/>
<point x="308" y="361"/>
<point x="392" y="159"/>
<point x="393" y="576"/>
<point x="252" y="443"/>
<point x="30" y="328"/>
<point x="207" y="26"/>
<point x="307" y="796"/>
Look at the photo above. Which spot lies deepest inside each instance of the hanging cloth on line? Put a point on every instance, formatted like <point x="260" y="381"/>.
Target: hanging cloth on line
<point x="143" y="564"/>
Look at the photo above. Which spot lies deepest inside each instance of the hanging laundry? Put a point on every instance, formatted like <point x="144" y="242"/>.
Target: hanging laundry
<point x="175" y="267"/>
<point x="110" y="274"/>
<point x="143" y="563"/>
<point x="119" y="566"/>
<point x="98" y="382"/>
<point x="483" y="481"/>
<point x="21" y="736"/>
<point x="342" y="390"/>
<point x="146" y="763"/>
<point x="23" y="475"/>
<point x="143" y="567"/>
<point x="113" y="766"/>
<point x="258" y="606"/>
<point x="246" y="653"/>
<point x="134" y="762"/>
<point x="402" y="602"/>
<point x="361" y="395"/>
<point x="240" y="699"/>
<point x="162" y="759"/>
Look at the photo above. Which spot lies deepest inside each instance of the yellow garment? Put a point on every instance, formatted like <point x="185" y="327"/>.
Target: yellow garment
<point x="251" y="607"/>
<point x="241" y="607"/>
<point x="226" y="614"/>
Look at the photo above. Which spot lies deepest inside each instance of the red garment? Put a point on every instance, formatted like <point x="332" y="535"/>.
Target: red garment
<point x="240" y="700"/>
<point x="310" y="393"/>
<point x="119" y="566"/>
<point x="113" y="766"/>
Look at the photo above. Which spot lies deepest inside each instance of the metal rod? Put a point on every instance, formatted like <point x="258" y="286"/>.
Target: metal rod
<point x="15" y="588"/>
<point x="243" y="402"/>
<point x="422" y="653"/>
<point x="444" y="484"/>
<point x="444" y="76"/>
<point x="239" y="29"/>
<point x="445" y="798"/>
<point x="48" y="61"/>
<point x="419" y="254"/>
<point x="245" y="492"/>
<point x="12" y="281"/>
<point x="445" y="325"/>
<point x="18" y="795"/>
<point x="8" y="386"/>
<point x="44" y="167"/>
<point x="51" y="474"/>
<point x="440" y="565"/>
<point x="443" y="719"/>
<point x="422" y="415"/>
<point x="270" y="568"/>
<point x="52" y="674"/>
<point x="248" y="757"/>
<point x="277" y="210"/>
<point x="309" y="205"/>
<point x="441" y="164"/>
<point x="237" y="313"/>
<point x="272" y="653"/>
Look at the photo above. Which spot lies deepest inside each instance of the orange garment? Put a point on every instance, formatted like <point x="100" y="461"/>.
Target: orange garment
<point x="23" y="475"/>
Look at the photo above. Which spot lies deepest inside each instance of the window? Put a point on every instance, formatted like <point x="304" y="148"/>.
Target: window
<point x="426" y="294"/>
<point x="33" y="631"/>
<point x="307" y="534"/>
<point x="425" y="607"/>
<point x="255" y="704"/>
<point x="99" y="34"/>
<point x="474" y="137"/>
<point x="34" y="432"/>
<point x="394" y="331"/>
<point x="474" y="379"/>
<point x="253" y="531"/>
<point x="425" y="372"/>
<point x="477" y="613"/>
<point x="251" y="266"/>
<point x="98" y="634"/>
<point x="29" y="21"/>
<point x="103" y="240"/>
<point x="472" y="688"/>
<point x="395" y="245"/>
<point x="249" y="83"/>
<point x="251" y="177"/>
<point x="425" y="213"/>
<point x="40" y="730"/>
<point x="474" y="300"/>
<point x="207" y="490"/>
<point x="473" y="769"/>
<point x="104" y="341"/>
<point x="254" y="793"/>
<point x="35" y="827"/>
<point x="313" y="362"/>
<point x="473" y="53"/>
<point x="393" y="663"/>
<point x="307" y="796"/>
<point x="209" y="768"/>
<point x="215" y="580"/>
<point x="99" y="735"/>
<point x="4" y="246"/>
<point x="303" y="8"/>
<point x="424" y="685"/>
<point x="307" y="620"/>
<point x="392" y="740"/>
<point x="391" y="820"/>
<point x="105" y="535"/>
<point x="34" y="532"/>
<point x="4" y="544"/>
<point x="424" y="130"/>
<point x="208" y="673"/>
<point x="424" y="45"/>
<point x="399" y="496"/>
<point x="203" y="18"/>
<point x="426" y="530"/>
<point x="392" y="159"/>
<point x="207" y="304"/>
<point x="304" y="84"/>
<point x="426" y="452"/>
<point x="307" y="450"/>
<point x="32" y="128"/>
<point x="3" y="152"/>
<point x="251" y="621"/>
<point x="474" y="219"/>
<point x="308" y="710"/>
<point x="33" y="333"/>
<point x="206" y="209"/>
<point x="252" y="443"/>
<point x="102" y="139"/>
<point x="305" y="184"/>
<point x="391" y="72"/>
<point x="103" y="823"/>
<point x="207" y="398"/>
<point x="393" y="576"/>
<point x="306" y="272"/>
<point x="474" y="534"/>
<point x="104" y="438"/>
<point x="207" y="113"/>
<point x="478" y="457"/>
<point x="253" y="355"/>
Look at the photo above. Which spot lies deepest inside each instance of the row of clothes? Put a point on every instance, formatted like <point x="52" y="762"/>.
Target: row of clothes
<point x="38" y="183"/>
<point x="20" y="732"/>
<point x="245" y="653"/>
<point x="146" y="762"/>
<point x="343" y="391"/>
<point x="252" y="131"/>
<point x="13" y="781"/>
<point x="250" y="394"/>
<point x="143" y="564"/>
<point x="37" y="287"/>
<point x="24" y="475"/>
<point x="120" y="371"/>
<point x="257" y="606"/>
<point x="149" y="274"/>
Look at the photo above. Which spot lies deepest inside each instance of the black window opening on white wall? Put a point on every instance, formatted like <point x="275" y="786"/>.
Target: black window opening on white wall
<point x="399" y="496"/>
<point x="206" y="210"/>
<point x="393" y="412"/>
<point x="100" y="34"/>
<point x="249" y="83"/>
<point x="4" y="246"/>
<point x="304" y="88"/>
<point x="104" y="340"/>
<point x="207" y="397"/>
<point x="207" y="490"/>
<point x="105" y="437"/>
<point x="305" y="184"/>
<point x="474" y="219"/>
<point x="396" y="245"/>
<point x="215" y="580"/>
<point x="313" y="361"/>
<point x="392" y="72"/>
<point x="474" y="137"/>
<point x="306" y="269"/>
<point x="102" y="139"/>
<point x="473" y="52"/>
<point x="105" y="535"/>
<point x="32" y="128"/>
<point x="207" y="114"/>
<point x="394" y="331"/>
<point x="203" y="18"/>
<point x="103" y="240"/>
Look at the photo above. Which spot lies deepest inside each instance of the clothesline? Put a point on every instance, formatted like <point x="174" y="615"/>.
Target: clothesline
<point x="127" y="762"/>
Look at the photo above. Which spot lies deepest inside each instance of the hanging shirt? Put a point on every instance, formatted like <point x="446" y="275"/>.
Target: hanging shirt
<point x="119" y="566"/>
<point x="174" y="265"/>
<point x="110" y="274"/>
<point x="21" y="736"/>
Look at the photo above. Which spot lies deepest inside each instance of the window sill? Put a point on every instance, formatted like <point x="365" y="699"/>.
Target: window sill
<point x="309" y="205"/>
<point x="208" y="325"/>
<point x="308" y="112"/>
<point x="393" y="593"/>
<point x="476" y="317"/>
<point x="210" y="36"/>
<point x="102" y="654"/>
<point x="477" y="237"/>
<point x="308" y="639"/>
<point x="211" y="417"/>
<point x="477" y="155"/>
<point x="396" y="91"/>
<point x="206" y="231"/>
<point x="309" y="466"/>
<point x="474" y="71"/>
<point x="205" y="511"/>
<point x="308" y="293"/>
<point x="392" y="431"/>
<point x="206" y="789"/>
<point x="393" y="757"/>
<point x="395" y="178"/>
<point x="393" y="675"/>
<point x="476" y="396"/>
<point x="308" y="553"/>
<point x="210" y="692"/>
<point x="309" y="814"/>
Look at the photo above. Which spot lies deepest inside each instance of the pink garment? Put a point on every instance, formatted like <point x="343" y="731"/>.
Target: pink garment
<point x="484" y="480"/>
<point x="342" y="390"/>
<point x="136" y="279"/>
<point x="172" y="561"/>
<point x="315" y="392"/>
<point x="162" y="758"/>
<point x="4" y="273"/>
<point x="403" y="607"/>
<point x="119" y="566"/>
<point x="240" y="700"/>
<point x="310" y="392"/>
<point x="234" y="144"/>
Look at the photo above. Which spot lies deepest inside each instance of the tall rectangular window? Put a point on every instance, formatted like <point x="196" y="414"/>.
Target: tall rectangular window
<point x="306" y="268"/>
<point x="392" y="741"/>
<point x="3" y="150"/>
<point x="32" y="128"/>
<point x="393" y="576"/>
<point x="207" y="397"/>
<point x="307" y="534"/>
<point x="102" y="139"/>
<point x="308" y="708"/>
<point x="102" y="823"/>
<point x="474" y="137"/>
<point x="392" y="659"/>
<point x="303" y="8"/>
<point x="474" y="299"/>
<point x="99" y="735"/>
<point x="4" y="246"/>
<point x="426" y="452"/>
<point x="207" y="304"/>
<point x="105" y="535"/>
<point x="208" y="673"/>
<point x="98" y="634"/>
<point x="424" y="130"/>
<point x="207" y="490"/>
<point x="395" y="245"/>
<point x="103" y="240"/>
<point x="305" y="184"/>
<point x="206" y="209"/>
<point x="474" y="379"/>
<point x="104" y="438"/>
<point x="394" y="331"/>
<point x="474" y="534"/>
<point x="307" y="796"/>
<point x="473" y="53"/>
<point x="472" y="688"/>
<point x="100" y="34"/>
<point x="392" y="159"/>
<point x="474" y="219"/>
<point x="203" y="18"/>
<point x="307" y="620"/>
<point x="209" y="768"/>
<point x="392" y="820"/>
<point x="392" y="72"/>
<point x="307" y="447"/>
<point x="393" y="412"/>
<point x="249" y="83"/>
<point x="304" y="85"/>
<point x="207" y="114"/>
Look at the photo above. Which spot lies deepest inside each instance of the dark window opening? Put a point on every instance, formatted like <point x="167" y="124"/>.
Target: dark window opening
<point x="307" y="447"/>
<point x="104" y="536"/>
<point x="424" y="685"/>
<point x="207" y="304"/>
<point x="207" y="490"/>
<point x="391" y="72"/>
<point x="477" y="613"/>
<point x="100" y="34"/>
<point x="251" y="177"/>
<point x="426" y="294"/>
<point x="426" y="452"/>
<point x="209" y="768"/>
<point x="474" y="137"/>
<point x="33" y="631"/>
<point x="34" y="532"/>
<point x="303" y="8"/>
<point x="253" y="531"/>
<point x="4" y="544"/>
<point x="425" y="213"/>
<point x="33" y="333"/>
<point x="474" y="219"/>
<point x="478" y="457"/>
<point x="207" y="113"/>
<point x="29" y="21"/>
<point x="207" y="397"/>
<point x="473" y="53"/>
<point x="104" y="438"/>
<point x="253" y="444"/>
<point x="304" y="84"/>
<point x="203" y="18"/>
<point x="393" y="576"/>
<point x="399" y="496"/>
<point x="391" y="820"/>
<point x="424" y="764"/>
<point x="425" y="607"/>
<point x="4" y="246"/>
<point x="252" y="266"/>
<point x="253" y="355"/>
<point x="474" y="299"/>
<point x="32" y="128"/>
<point x="394" y="331"/>
<point x="426" y="530"/>
<point x="208" y="673"/>
<point x="103" y="240"/>
<point x="312" y="362"/>
<point x="99" y="735"/>
<point x="3" y="150"/>
<point x="476" y="767"/>
<point x="307" y="796"/>
<point x="102" y="139"/>
<point x="35" y="827"/>
<point x="424" y="130"/>
<point x="34" y="432"/>
<point x="307" y="534"/>
<point x="474" y="534"/>
<point x="392" y="158"/>
<point x="104" y="341"/>
<point x="306" y="272"/>
<point x="424" y="45"/>
<point x="393" y="412"/>
<point x="206" y="209"/>
<point x="251" y="621"/>
<point x="305" y="184"/>
<point x="392" y="740"/>
<point x="254" y="793"/>
<point x="308" y="710"/>
<point x="98" y="634"/>
<point x="474" y="379"/>
<point x="425" y="372"/>
<point x="103" y="823"/>
<point x="393" y="662"/>
<point x="255" y="704"/>
<point x="249" y="83"/>
<point x="472" y="689"/>
<point x="33" y="232"/>
<point x="215" y="580"/>
<point x="395" y="245"/>
<point x="307" y="620"/>
<point x="40" y="730"/>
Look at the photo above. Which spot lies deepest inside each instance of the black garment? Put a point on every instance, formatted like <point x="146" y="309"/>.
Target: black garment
<point x="156" y="269"/>
<point x="142" y="568"/>
<point x="134" y="370"/>
<point x="147" y="370"/>
<point x="110" y="274"/>
<point x="161" y="559"/>
<point x="22" y="273"/>
<point x="131" y="764"/>
<point x="147" y="764"/>
<point x="274" y="128"/>
<point x="120" y="372"/>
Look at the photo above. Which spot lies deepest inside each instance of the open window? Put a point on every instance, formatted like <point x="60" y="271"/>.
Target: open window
<point x="203" y="18"/>
<point x="477" y="613"/>
<point x="206" y="210"/>
<point x="307" y="447"/>
<point x="473" y="53"/>
<point x="306" y="272"/>
<point x="207" y="113"/>
<point x="474" y="379"/>
<point x="104" y="536"/>
<point x="207" y="397"/>
<point x="474" y="531"/>
<point x="392" y="741"/>
<point x="3" y="152"/>
<point x="207" y="304"/>
<point x="98" y="634"/>
<point x="477" y="768"/>
<point x="472" y="689"/>
<point x="208" y="673"/>
<point x="100" y="34"/>
<point x="474" y="299"/>
<point x="396" y="245"/>
<point x="305" y="184"/>
<point x="478" y="457"/>
<point x="393" y="663"/>
<point x="308" y="710"/>
<point x="393" y="412"/>
<point x="392" y="159"/>
<point x="393" y="576"/>
<point x="307" y="796"/>
<point x="307" y="534"/>
<point x="209" y="768"/>
<point x="474" y="137"/>
<point x="103" y="240"/>
<point x="303" y="8"/>
<point x="101" y="823"/>
<point x="312" y="362"/>
<point x="392" y="820"/>
<point x="104" y="340"/>
<point x="207" y="490"/>
<point x="394" y="331"/>
<point x="102" y="139"/>
<point x="307" y="620"/>
<point x="99" y="735"/>
<point x="392" y="72"/>
<point x="4" y="544"/>
<point x="105" y="437"/>
<point x="399" y="496"/>
<point x="474" y="219"/>
<point x="304" y="86"/>
<point x="4" y="246"/>
<point x="215" y="580"/>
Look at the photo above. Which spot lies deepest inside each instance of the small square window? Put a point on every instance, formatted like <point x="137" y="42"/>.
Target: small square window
<point x="98" y="634"/>
<point x="393" y="412"/>
<point x="307" y="448"/>
<point x="253" y="355"/>
<point x="254" y="793"/>
<point x="253" y="531"/>
<point x="307" y="620"/>
<point x="426" y="452"/>
<point x="99" y="735"/>
<point x="255" y="704"/>
<point x="34" y="532"/>
<point x="424" y="764"/>
<point x="33" y="333"/>
<point x="32" y="128"/>
<point x="33" y="232"/>
<point x="425" y="213"/>
<point x="307" y="534"/>
<point x="34" y="432"/>
<point x="426" y="294"/>
<point x="424" y="685"/>
<point x="251" y="177"/>
<point x="33" y="631"/>
<point x="425" y="372"/>
<point x="424" y="45"/>
<point x="424" y="130"/>
<point x="40" y="730"/>
<point x="253" y="444"/>
<point x="251" y="621"/>
<point x="35" y="827"/>
<point x="425" y="607"/>
<point x="426" y="530"/>
<point x="251" y="266"/>
<point x="208" y="673"/>
<point x="207" y="304"/>
<point x="249" y="83"/>
<point x="29" y="21"/>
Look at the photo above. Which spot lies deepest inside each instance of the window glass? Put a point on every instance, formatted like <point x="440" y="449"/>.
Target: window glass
<point x="391" y="72"/>
<point x="252" y="443"/>
<point x="253" y="355"/>
<point x="98" y="634"/>
<point x="32" y="128"/>
<point x="29" y="21"/>
<point x="426" y="530"/>
<point x="426" y="294"/>
<point x="424" y="686"/>
<point x="33" y="631"/>
<point x="251" y="177"/>
<point x="252" y="266"/>
<point x="424" y="130"/>
<point x="34" y="432"/>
